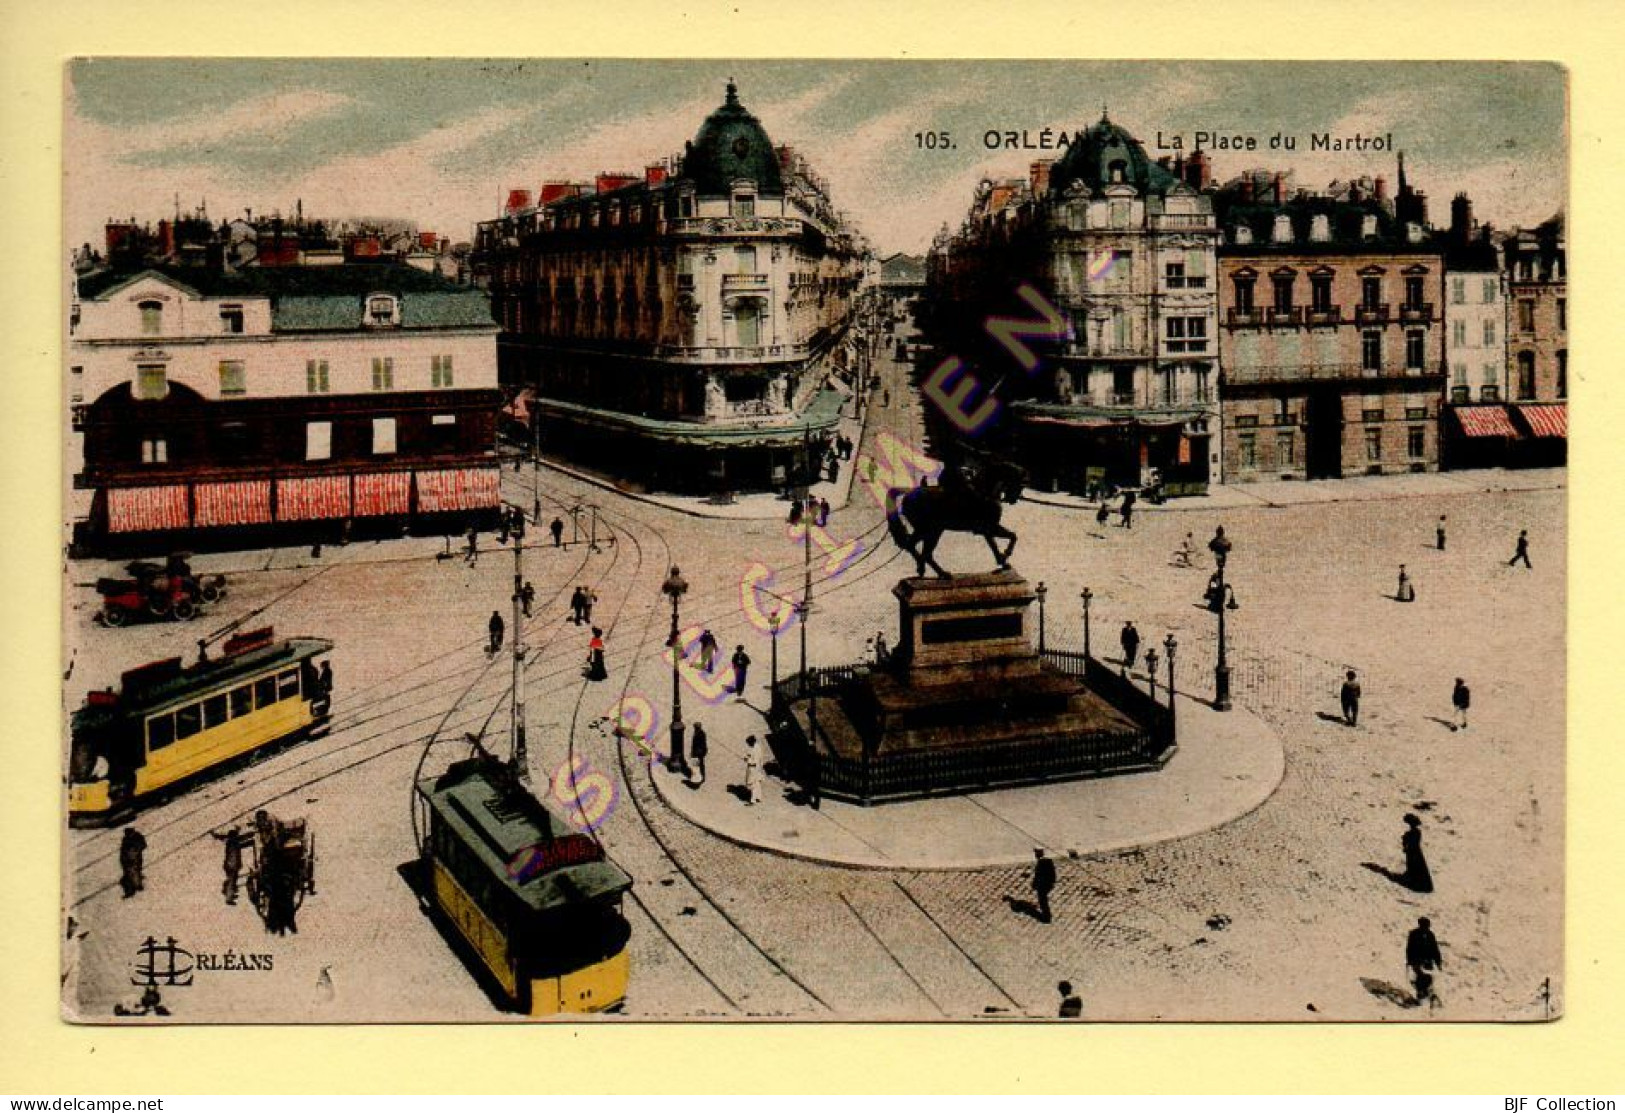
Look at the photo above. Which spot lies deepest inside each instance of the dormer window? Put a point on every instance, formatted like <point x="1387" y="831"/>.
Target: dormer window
<point x="1117" y="171"/>
<point x="744" y="204"/>
<point x="152" y="318"/>
<point x="383" y="311"/>
<point x="231" y="318"/>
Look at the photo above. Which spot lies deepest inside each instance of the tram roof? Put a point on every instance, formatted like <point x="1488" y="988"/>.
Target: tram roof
<point x="139" y="697"/>
<point x="499" y="822"/>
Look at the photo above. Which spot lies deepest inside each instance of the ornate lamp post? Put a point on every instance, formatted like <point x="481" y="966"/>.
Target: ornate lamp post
<point x="1170" y="645"/>
<point x="1040" y="591"/>
<point x="1220" y="546"/>
<point x="1151" y="670"/>
<point x="675" y="587"/>
<point x="1086" y="596"/>
<point x="516" y="705"/>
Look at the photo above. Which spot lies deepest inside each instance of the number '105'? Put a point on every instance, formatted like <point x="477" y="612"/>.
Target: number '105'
<point x="933" y="141"/>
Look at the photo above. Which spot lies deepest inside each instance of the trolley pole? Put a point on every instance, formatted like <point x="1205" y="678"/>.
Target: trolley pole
<point x="516" y="708"/>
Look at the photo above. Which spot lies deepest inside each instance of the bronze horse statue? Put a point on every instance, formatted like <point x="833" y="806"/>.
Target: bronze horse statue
<point x="969" y="500"/>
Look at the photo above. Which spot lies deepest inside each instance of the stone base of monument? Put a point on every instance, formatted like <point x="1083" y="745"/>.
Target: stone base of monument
<point x="967" y="703"/>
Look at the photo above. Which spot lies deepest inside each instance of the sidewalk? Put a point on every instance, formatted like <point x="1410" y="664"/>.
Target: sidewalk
<point x="1361" y="488"/>
<point x="1227" y="765"/>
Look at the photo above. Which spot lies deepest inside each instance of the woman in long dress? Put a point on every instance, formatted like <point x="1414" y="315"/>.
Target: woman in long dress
<point x="595" y="656"/>
<point x="753" y="771"/>
<point x="1417" y="876"/>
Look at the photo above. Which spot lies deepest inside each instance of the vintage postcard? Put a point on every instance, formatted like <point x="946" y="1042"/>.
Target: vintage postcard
<point x="813" y="540"/>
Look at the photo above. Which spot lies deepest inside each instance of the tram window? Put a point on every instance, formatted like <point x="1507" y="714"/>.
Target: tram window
<point x="160" y="731"/>
<point x="242" y="701"/>
<point x="265" y="692"/>
<point x="188" y="720"/>
<point x="214" y="711"/>
<point x="287" y="684"/>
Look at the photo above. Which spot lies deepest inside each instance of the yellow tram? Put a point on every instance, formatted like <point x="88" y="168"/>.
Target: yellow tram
<point x="534" y="900"/>
<point x="170" y="726"/>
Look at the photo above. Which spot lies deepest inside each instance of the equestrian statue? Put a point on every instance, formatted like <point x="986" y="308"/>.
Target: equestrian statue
<point x="969" y="499"/>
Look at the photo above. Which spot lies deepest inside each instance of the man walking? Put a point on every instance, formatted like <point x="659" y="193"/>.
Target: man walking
<point x="741" y="663"/>
<point x="132" y="852"/>
<point x="556" y="528"/>
<point x="233" y="863"/>
<point x="473" y="554"/>
<point x="1523" y="550"/>
<point x="1439" y="532"/>
<point x="1422" y="957"/>
<point x="527" y="596"/>
<point x="708" y="652"/>
<point x="1127" y="510"/>
<point x="1131" y="645"/>
<point x="1351" y="699"/>
<point x="1043" y="882"/>
<point x="698" y="747"/>
<point x="1461" y="698"/>
<point x="497" y="628"/>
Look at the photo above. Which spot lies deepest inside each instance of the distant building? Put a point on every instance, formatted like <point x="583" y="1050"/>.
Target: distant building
<point x="241" y="404"/>
<point x="1537" y="338"/>
<point x="1476" y="430"/>
<point x="901" y="278"/>
<point x="1331" y="334"/>
<point x="689" y="328"/>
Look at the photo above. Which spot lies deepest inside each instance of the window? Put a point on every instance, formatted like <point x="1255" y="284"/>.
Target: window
<point x="76" y="379"/>
<point x="440" y="371"/>
<point x="1563" y="314"/>
<point x="1458" y="333"/>
<point x="1562" y="372"/>
<point x="1416" y="441"/>
<point x="1371" y="351"/>
<point x="160" y="731"/>
<point x="1373" y="445"/>
<point x="383" y="436"/>
<point x="1489" y="392"/>
<point x="381" y="310"/>
<point x="151" y="382"/>
<point x="214" y="711"/>
<point x="265" y="691"/>
<point x="1176" y="328"/>
<point x="231" y="318"/>
<point x="1371" y="415"/>
<point x="1244" y="295"/>
<point x="233" y="378"/>
<point x="1119" y="209"/>
<point x="154" y="450"/>
<point x="1175" y="275"/>
<point x="188" y="721"/>
<point x="1416" y="413"/>
<point x="1248" y="443"/>
<point x="232" y="440"/>
<point x="1246" y="421"/>
<point x="1168" y="383"/>
<point x="318" y="440"/>
<point x="1283" y="293"/>
<point x="1201" y="384"/>
<point x="744" y="260"/>
<point x="1413" y="292"/>
<point x="1491" y="288"/>
<point x="1526" y="376"/>
<point x="1370" y="292"/>
<point x="1458" y="291"/>
<point x="316" y="381"/>
<point x="242" y="701"/>
<point x="1320" y="293"/>
<point x="1123" y="386"/>
<point x="443" y="432"/>
<point x="152" y="318"/>
<point x="1285" y="449"/>
<point x="1489" y="334"/>
<point x="1415" y="350"/>
<point x="287" y="684"/>
<point x="383" y="373"/>
<point x="744" y="204"/>
<point x="1526" y="315"/>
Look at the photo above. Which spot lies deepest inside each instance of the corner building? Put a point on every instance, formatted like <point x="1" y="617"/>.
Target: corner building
<point x="689" y="329"/>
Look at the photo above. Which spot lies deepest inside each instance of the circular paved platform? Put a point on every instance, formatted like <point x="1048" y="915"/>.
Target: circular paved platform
<point x="1227" y="764"/>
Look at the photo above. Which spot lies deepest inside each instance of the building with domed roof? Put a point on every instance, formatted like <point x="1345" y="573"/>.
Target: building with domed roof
<point x="689" y="328"/>
<point x="1123" y="247"/>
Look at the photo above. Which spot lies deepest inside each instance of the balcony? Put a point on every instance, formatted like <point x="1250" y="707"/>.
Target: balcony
<point x="1371" y="314"/>
<point x="744" y="282"/>
<point x="759" y="353"/>
<point x="1244" y="318"/>
<point x="1286" y="317"/>
<point x="1182" y="220"/>
<point x="1416" y="313"/>
<point x="1331" y="315"/>
<point x="1251" y="374"/>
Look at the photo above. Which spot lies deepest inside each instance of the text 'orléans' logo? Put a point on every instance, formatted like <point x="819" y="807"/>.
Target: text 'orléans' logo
<point x="164" y="964"/>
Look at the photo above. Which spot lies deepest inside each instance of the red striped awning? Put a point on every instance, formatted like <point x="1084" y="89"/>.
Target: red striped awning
<point x="245" y="502"/>
<point x="381" y="493"/>
<point x="1485" y="421"/>
<point x="1547" y="421"/>
<point x="311" y="497"/>
<point x="458" y="489"/>
<point x="133" y="509"/>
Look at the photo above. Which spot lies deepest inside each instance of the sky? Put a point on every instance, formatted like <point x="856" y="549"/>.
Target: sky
<point x="440" y="142"/>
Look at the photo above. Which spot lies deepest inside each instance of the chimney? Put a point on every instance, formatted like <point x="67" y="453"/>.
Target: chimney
<point x="1382" y="188"/>
<point x="654" y="174"/>
<point x="1039" y="176"/>
<point x="1198" y="171"/>
<point x="609" y="181"/>
<point x="517" y="199"/>
<point x="1461" y="218"/>
<point x="1280" y="188"/>
<point x="553" y="191"/>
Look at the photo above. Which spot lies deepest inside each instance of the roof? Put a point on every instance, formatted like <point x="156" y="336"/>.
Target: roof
<point x="1092" y="157"/>
<point x="1346" y="223"/>
<point x="500" y="822"/>
<point x="731" y="145"/>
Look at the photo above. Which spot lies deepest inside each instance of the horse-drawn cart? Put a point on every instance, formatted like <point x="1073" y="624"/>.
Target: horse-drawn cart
<point x="282" y="870"/>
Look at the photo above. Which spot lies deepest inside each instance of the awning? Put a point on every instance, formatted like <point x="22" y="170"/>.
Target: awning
<point x="311" y="497"/>
<point x="1546" y="421"/>
<point x="243" y="503"/>
<point x="381" y="493"/>
<point x="458" y="489"/>
<point x="133" y="509"/>
<point x="1485" y="421"/>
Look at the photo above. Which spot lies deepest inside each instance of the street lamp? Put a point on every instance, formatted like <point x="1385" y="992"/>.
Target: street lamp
<point x="1040" y="591"/>
<point x="1220" y="547"/>
<point x="1151" y="670"/>
<point x="675" y="587"/>
<point x="1086" y="595"/>
<point x="1170" y="645"/>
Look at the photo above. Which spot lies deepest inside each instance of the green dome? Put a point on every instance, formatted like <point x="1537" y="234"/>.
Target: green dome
<point x="1104" y="154"/>
<point x="731" y="145"/>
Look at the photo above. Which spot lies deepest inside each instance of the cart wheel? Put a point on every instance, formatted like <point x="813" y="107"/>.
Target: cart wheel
<point x="115" y="615"/>
<point x="185" y="610"/>
<point x="211" y="592"/>
<point x="157" y="608"/>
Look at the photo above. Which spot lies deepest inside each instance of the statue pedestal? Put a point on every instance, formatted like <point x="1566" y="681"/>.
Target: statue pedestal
<point x="967" y="704"/>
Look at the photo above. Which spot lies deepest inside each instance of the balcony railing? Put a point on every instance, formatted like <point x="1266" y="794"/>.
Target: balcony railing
<point x="765" y="353"/>
<point x="1371" y="314"/>
<point x="1331" y="315"/>
<point x="1418" y="312"/>
<point x="1244" y="318"/>
<point x="1185" y="282"/>
<point x="1182" y="220"/>
<point x="744" y="282"/>
<point x="1243" y="374"/>
<point x="1292" y="316"/>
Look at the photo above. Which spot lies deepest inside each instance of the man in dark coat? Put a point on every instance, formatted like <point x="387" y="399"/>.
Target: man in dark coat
<point x="1422" y="957"/>
<point x="1461" y="698"/>
<point x="497" y="627"/>
<point x="1071" y="1003"/>
<point x="1439" y="532"/>
<point x="698" y="747"/>
<point x="132" y="852"/>
<point x="1351" y="699"/>
<point x="556" y="527"/>
<point x="1131" y="645"/>
<point x="233" y="863"/>
<point x="1523" y="550"/>
<point x="1127" y="510"/>
<point x="1043" y="882"/>
<point x="741" y="664"/>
